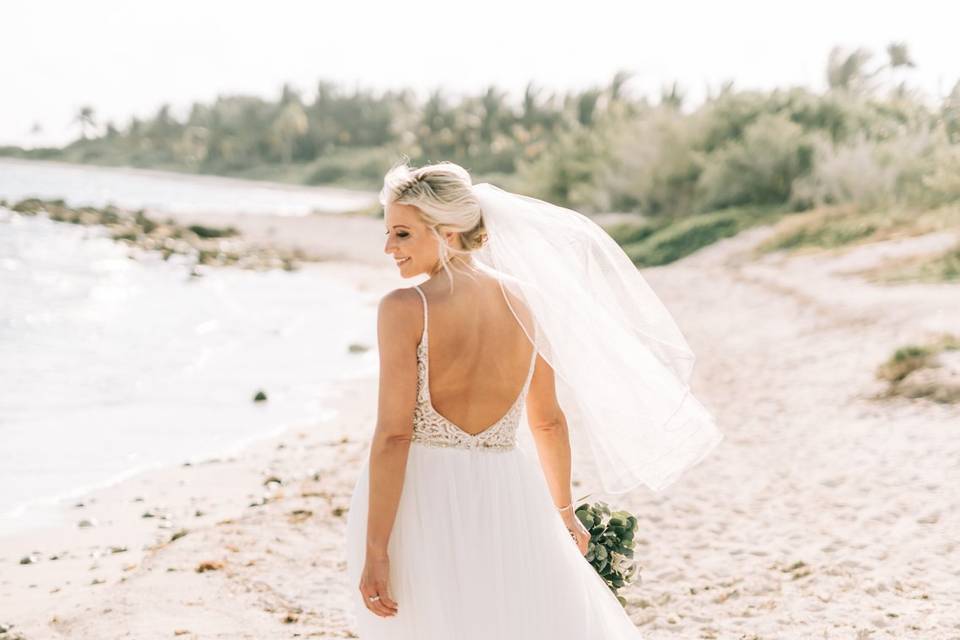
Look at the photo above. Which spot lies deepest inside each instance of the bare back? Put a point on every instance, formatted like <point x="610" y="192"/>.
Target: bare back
<point x="479" y="355"/>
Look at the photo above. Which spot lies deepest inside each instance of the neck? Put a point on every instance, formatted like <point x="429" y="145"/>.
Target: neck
<point x="463" y="264"/>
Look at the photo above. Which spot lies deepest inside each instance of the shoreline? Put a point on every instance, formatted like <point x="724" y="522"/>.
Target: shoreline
<point x="44" y="508"/>
<point x="364" y="278"/>
<point x="58" y="505"/>
<point x="139" y="514"/>
<point x="169" y="174"/>
<point x="202" y="492"/>
<point x="135" y="519"/>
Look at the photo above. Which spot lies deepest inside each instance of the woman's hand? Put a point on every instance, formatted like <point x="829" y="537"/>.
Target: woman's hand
<point x="578" y="533"/>
<point x="374" y="582"/>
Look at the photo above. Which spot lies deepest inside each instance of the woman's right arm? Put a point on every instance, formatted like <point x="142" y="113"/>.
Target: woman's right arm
<point x="398" y="333"/>
<point x="548" y="424"/>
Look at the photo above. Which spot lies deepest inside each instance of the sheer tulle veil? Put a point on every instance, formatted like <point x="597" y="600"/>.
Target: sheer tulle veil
<point x="622" y="365"/>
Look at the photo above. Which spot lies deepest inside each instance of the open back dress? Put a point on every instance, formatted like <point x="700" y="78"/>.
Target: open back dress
<point x="478" y="550"/>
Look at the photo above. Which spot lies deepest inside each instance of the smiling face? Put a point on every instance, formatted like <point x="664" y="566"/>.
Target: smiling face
<point x="409" y="240"/>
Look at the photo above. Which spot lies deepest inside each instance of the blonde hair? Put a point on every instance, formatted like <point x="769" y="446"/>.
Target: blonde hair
<point x="443" y="194"/>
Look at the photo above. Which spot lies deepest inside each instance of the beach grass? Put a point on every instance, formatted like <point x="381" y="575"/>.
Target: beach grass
<point x="918" y="371"/>
<point x="943" y="267"/>
<point x="841" y="226"/>
<point x="659" y="242"/>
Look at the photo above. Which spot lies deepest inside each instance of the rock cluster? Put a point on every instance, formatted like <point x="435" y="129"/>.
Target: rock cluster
<point x="217" y="246"/>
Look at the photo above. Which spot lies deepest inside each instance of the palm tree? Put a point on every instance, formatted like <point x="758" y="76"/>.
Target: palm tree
<point x="494" y="111"/>
<point x="899" y="58"/>
<point x="672" y="97"/>
<point x="529" y="112"/>
<point x="586" y="106"/>
<point x="898" y="55"/>
<point x="291" y="123"/>
<point x="849" y="71"/>
<point x="620" y="79"/>
<point x="86" y="118"/>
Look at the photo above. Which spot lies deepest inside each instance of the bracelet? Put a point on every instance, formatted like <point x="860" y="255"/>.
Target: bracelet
<point x="565" y="508"/>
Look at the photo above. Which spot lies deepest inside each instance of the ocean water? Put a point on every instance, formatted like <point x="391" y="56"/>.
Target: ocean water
<point x="110" y="365"/>
<point x="172" y="192"/>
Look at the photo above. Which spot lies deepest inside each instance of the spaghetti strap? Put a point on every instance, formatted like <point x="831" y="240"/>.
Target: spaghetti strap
<point x="423" y="334"/>
<point x="533" y="358"/>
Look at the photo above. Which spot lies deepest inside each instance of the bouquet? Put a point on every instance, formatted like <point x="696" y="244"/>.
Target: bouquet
<point x="611" y="544"/>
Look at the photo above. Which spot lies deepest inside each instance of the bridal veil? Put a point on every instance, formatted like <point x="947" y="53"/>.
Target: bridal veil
<point x="622" y="365"/>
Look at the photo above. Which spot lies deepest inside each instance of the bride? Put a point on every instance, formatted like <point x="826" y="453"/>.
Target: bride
<point x="461" y="523"/>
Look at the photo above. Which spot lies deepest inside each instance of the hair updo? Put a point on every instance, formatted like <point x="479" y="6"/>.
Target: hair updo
<point x="443" y="194"/>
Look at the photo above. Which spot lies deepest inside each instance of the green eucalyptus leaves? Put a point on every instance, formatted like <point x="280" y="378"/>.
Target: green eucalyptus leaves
<point x="611" y="544"/>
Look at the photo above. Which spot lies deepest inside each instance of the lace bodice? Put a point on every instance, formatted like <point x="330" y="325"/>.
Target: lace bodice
<point x="431" y="428"/>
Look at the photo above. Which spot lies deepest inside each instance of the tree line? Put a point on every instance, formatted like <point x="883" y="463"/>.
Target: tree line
<point x="868" y="139"/>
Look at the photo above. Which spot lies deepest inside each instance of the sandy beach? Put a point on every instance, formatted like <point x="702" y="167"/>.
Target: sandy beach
<point x="825" y="513"/>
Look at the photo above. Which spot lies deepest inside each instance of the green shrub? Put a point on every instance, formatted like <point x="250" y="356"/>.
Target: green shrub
<point x="626" y="233"/>
<point x="758" y="168"/>
<point x="906" y="360"/>
<point x="827" y="235"/>
<point x="681" y="238"/>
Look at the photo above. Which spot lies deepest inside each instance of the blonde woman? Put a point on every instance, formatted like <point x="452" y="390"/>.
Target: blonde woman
<point x="531" y="343"/>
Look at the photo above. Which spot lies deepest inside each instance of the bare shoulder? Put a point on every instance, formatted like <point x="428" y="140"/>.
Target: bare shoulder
<point x="510" y="286"/>
<point x="401" y="312"/>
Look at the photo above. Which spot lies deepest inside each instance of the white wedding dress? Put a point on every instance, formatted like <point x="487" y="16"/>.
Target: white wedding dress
<point x="478" y="550"/>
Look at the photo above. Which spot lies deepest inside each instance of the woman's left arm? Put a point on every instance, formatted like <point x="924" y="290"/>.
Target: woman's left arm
<point x="399" y="320"/>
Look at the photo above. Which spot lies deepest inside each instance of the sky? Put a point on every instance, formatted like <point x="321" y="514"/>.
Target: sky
<point x="127" y="58"/>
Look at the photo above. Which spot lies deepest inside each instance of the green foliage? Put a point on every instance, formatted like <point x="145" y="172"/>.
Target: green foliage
<point x="565" y="174"/>
<point x="758" y="167"/>
<point x="827" y="235"/>
<point x="612" y="542"/>
<point x="914" y="166"/>
<point x="941" y="267"/>
<point x="912" y="358"/>
<point x="349" y="167"/>
<point x="669" y="242"/>
<point x="940" y="182"/>
<point x="655" y="163"/>
<point x="838" y="226"/>
<point x="626" y="233"/>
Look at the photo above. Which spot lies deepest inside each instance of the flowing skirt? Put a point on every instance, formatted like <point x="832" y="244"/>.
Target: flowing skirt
<point x="478" y="551"/>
